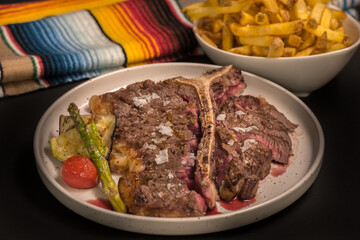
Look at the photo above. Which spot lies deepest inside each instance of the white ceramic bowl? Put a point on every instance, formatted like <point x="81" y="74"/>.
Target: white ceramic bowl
<point x="300" y="75"/>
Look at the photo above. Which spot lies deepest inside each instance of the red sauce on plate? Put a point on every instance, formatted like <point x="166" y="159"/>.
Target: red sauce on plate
<point x="236" y="204"/>
<point x="232" y="206"/>
<point x="101" y="202"/>
<point x="278" y="169"/>
<point x="213" y="211"/>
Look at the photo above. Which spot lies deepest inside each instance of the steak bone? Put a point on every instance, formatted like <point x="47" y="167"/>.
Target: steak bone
<point x="231" y="83"/>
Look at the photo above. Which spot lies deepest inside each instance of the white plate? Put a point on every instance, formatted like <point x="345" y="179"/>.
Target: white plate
<point x="274" y="194"/>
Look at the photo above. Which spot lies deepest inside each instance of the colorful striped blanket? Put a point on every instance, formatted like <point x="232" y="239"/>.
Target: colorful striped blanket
<point x="49" y="43"/>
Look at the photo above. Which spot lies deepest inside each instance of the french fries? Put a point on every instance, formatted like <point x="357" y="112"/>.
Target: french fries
<point x="227" y="36"/>
<point x="270" y="28"/>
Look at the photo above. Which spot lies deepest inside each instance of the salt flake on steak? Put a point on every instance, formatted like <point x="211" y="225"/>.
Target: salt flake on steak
<point x="139" y="101"/>
<point x="169" y="185"/>
<point x="149" y="146"/>
<point x="247" y="144"/>
<point x="154" y="96"/>
<point x="221" y="117"/>
<point x="162" y="157"/>
<point x="165" y="128"/>
<point x="239" y="113"/>
<point x="144" y="99"/>
<point x="192" y="159"/>
<point x="231" y="142"/>
<point x="248" y="129"/>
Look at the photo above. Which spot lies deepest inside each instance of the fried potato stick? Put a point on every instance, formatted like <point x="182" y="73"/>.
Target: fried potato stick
<point x="313" y="2"/>
<point x="207" y="39"/>
<point x="261" y="18"/>
<point x="261" y="41"/>
<point x="285" y="15"/>
<point x="227" y="36"/>
<point x="294" y="40"/>
<point x="331" y="34"/>
<point x="266" y="30"/>
<point x="288" y="3"/>
<point x="305" y="52"/>
<point x="246" y="18"/>
<point x="321" y="44"/>
<point x="338" y="14"/>
<point x="334" y="24"/>
<point x="300" y="9"/>
<point x="308" y="40"/>
<point x="271" y="5"/>
<point x="289" y="52"/>
<point x="259" y="51"/>
<point x="195" y="5"/>
<point x="336" y="46"/>
<point x="317" y="11"/>
<point x="215" y="37"/>
<point x="274" y="17"/>
<point x="237" y="6"/>
<point x="217" y="25"/>
<point x="276" y="48"/>
<point x="244" y="50"/>
<point x="326" y="18"/>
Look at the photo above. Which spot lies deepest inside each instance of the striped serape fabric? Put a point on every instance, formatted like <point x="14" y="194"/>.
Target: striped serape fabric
<point x="49" y="43"/>
<point x="348" y="6"/>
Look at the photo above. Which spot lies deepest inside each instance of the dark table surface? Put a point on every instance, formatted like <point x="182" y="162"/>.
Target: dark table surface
<point x="328" y="210"/>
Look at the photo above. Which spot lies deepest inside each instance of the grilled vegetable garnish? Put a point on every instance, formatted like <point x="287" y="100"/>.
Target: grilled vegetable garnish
<point x="69" y="142"/>
<point x="108" y="183"/>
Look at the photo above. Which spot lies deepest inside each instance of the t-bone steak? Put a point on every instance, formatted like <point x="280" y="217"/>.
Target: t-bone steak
<point x="183" y="144"/>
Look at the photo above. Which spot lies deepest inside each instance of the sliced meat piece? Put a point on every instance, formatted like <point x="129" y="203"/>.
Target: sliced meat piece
<point x="250" y="161"/>
<point x="260" y="104"/>
<point x="249" y="117"/>
<point x="251" y="185"/>
<point x="159" y="195"/>
<point x="249" y="138"/>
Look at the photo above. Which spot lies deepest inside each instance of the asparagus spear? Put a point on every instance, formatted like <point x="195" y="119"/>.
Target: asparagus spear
<point x="108" y="183"/>
<point x="99" y="143"/>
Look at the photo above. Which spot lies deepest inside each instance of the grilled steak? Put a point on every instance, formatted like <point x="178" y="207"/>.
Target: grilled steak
<point x="182" y="144"/>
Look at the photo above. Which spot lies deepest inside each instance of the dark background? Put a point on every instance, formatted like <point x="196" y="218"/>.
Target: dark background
<point x="328" y="210"/>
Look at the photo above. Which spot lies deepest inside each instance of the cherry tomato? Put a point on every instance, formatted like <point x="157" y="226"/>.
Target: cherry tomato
<point x="79" y="172"/>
